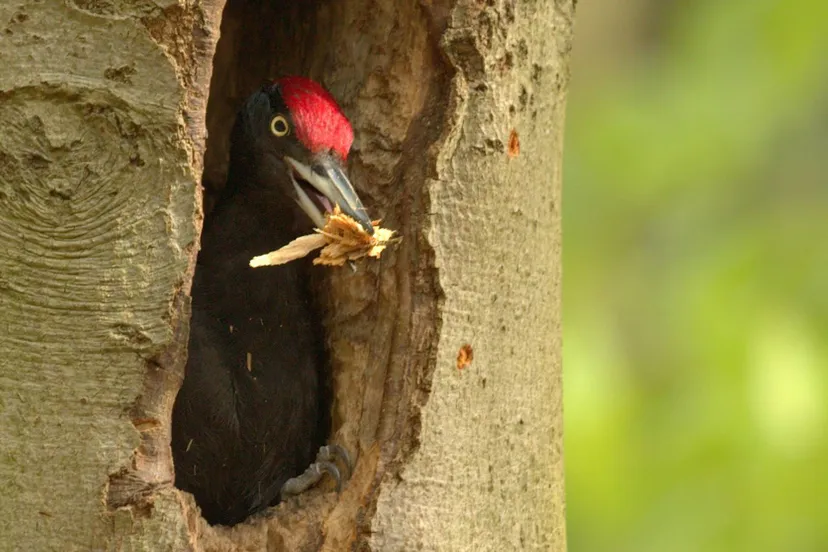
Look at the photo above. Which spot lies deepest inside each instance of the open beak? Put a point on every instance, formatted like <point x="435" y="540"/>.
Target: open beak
<point x="322" y="185"/>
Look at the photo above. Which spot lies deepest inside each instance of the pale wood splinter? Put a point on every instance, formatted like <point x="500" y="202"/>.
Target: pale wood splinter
<point x="342" y="239"/>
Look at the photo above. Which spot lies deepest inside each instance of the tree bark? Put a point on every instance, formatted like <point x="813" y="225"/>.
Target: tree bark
<point x="457" y="107"/>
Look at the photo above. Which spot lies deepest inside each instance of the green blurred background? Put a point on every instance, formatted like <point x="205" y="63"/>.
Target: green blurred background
<point x="696" y="276"/>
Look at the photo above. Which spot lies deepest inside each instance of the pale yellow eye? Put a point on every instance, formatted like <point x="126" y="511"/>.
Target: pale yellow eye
<point x="279" y="126"/>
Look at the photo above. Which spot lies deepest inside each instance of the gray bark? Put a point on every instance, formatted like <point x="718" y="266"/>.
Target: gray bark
<point x="104" y="111"/>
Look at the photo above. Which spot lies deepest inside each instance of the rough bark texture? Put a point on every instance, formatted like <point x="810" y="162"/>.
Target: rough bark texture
<point x="458" y="111"/>
<point x="102" y="108"/>
<point x="488" y="474"/>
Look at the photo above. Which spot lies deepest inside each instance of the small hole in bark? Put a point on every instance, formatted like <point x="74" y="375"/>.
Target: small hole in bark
<point x="465" y="356"/>
<point x="514" y="144"/>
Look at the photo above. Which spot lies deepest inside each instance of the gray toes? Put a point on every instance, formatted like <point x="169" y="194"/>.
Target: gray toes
<point x="326" y="462"/>
<point x="332" y="453"/>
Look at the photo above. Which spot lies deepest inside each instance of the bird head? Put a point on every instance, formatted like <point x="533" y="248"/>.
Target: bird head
<point x="297" y="138"/>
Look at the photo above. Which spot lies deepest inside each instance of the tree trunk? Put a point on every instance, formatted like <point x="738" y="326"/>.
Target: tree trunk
<point x="446" y="352"/>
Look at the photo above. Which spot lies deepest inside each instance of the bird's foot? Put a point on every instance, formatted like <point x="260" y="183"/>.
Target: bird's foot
<point x="326" y="462"/>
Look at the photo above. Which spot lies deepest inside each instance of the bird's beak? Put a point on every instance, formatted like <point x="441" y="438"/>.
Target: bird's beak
<point x="322" y="185"/>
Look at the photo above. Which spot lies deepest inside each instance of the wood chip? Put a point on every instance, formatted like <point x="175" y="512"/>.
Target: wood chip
<point x="296" y="249"/>
<point x="342" y="239"/>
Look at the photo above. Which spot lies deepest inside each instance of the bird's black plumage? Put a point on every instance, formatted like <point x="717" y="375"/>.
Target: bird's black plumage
<point x="254" y="406"/>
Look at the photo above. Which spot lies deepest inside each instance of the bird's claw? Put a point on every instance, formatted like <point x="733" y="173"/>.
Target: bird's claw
<point x="301" y="483"/>
<point x="332" y="453"/>
<point x="325" y="463"/>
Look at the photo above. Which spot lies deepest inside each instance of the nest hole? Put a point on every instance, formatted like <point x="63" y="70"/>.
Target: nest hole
<point x="381" y="321"/>
<point x="260" y="41"/>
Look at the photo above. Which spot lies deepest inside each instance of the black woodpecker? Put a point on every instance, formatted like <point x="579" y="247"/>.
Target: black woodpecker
<point x="253" y="412"/>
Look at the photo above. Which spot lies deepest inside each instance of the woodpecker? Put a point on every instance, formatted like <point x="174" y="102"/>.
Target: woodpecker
<point x="253" y="413"/>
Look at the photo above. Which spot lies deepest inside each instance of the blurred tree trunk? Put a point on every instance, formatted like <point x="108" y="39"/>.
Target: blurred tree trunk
<point x="458" y="110"/>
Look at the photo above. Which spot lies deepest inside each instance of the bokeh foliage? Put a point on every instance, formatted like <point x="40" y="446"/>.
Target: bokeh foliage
<point x="696" y="277"/>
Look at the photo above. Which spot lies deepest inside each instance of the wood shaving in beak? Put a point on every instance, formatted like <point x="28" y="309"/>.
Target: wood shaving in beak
<point x="342" y="239"/>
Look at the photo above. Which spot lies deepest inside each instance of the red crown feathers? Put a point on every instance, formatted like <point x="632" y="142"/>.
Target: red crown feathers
<point x="318" y="121"/>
